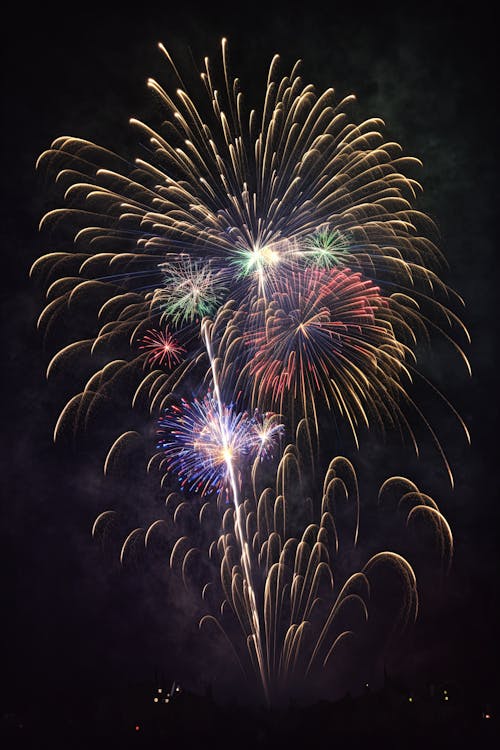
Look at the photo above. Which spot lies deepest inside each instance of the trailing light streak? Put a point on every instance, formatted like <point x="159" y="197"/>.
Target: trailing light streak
<point x="240" y="528"/>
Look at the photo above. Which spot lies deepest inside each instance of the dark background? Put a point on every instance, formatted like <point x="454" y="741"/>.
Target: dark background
<point x="70" y="621"/>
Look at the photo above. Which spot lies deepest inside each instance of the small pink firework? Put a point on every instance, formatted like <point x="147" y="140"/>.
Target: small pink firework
<point x="162" y="347"/>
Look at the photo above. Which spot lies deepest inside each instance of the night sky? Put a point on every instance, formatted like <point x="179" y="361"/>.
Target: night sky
<point x="69" y="617"/>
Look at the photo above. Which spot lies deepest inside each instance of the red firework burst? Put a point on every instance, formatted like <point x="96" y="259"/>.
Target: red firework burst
<point x="324" y="332"/>
<point x="162" y="347"/>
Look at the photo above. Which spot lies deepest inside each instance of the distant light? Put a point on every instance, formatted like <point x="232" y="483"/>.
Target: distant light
<point x="177" y="690"/>
<point x="487" y="716"/>
<point x="410" y="699"/>
<point x="445" y="692"/>
<point x="159" y="690"/>
<point x="137" y="727"/>
<point x="366" y="684"/>
<point x="167" y="700"/>
<point x="155" y="700"/>
<point x="446" y="698"/>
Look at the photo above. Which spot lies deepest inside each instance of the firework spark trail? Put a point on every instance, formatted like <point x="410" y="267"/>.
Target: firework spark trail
<point x="241" y="532"/>
<point x="321" y="582"/>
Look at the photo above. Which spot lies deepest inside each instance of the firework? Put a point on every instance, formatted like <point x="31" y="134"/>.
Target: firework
<point x="249" y="204"/>
<point x="294" y="230"/>
<point x="319" y="590"/>
<point x="238" y="182"/>
<point x="203" y="440"/>
<point x="161" y="348"/>
<point x="324" y="336"/>
<point x="327" y="248"/>
<point x="190" y="291"/>
<point x="261" y="267"/>
<point x="267" y="431"/>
